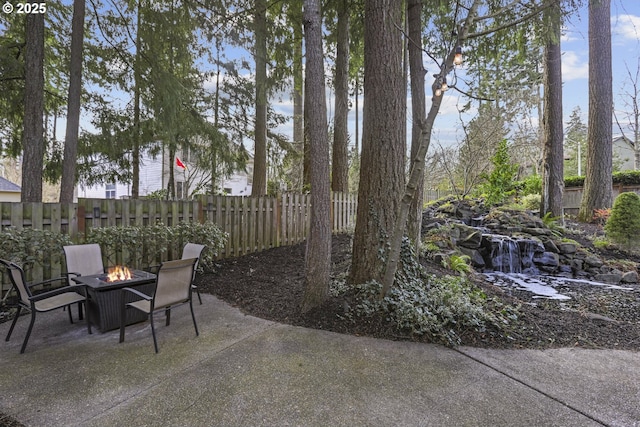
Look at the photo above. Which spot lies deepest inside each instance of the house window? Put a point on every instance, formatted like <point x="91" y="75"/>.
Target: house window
<point x="110" y="191"/>
<point x="249" y="174"/>
<point x="179" y="190"/>
<point x="186" y="155"/>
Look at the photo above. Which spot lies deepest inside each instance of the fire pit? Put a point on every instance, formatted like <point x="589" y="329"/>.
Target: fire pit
<point x="104" y="292"/>
<point x="118" y="274"/>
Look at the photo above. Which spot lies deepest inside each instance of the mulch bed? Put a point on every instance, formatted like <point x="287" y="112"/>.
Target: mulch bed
<point x="270" y="285"/>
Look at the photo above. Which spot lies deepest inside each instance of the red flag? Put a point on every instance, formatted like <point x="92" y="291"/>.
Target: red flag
<point x="179" y="163"/>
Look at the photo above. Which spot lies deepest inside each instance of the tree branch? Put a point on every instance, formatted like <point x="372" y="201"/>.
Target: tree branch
<point x="523" y="18"/>
<point x="479" y="98"/>
<point x="499" y="11"/>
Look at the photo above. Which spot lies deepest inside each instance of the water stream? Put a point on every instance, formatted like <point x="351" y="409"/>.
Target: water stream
<point x="543" y="286"/>
<point x="513" y="264"/>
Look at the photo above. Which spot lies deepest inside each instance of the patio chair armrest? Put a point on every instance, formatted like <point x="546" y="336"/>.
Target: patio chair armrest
<point x="54" y="292"/>
<point x="152" y="269"/>
<point x="138" y="293"/>
<point x="44" y="282"/>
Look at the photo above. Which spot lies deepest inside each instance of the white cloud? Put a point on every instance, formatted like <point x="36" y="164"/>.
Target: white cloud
<point x="571" y="34"/>
<point x="574" y="66"/>
<point x="626" y="27"/>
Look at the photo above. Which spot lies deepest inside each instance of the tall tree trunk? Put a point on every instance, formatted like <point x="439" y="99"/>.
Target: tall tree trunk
<point x="69" y="162"/>
<point x="418" y="110"/>
<point x="417" y="166"/>
<point x="553" y="155"/>
<point x="216" y="121"/>
<point x="318" y="254"/>
<point x="259" y="187"/>
<point x="357" y="124"/>
<point x="298" y="114"/>
<point x="383" y="145"/>
<point x="135" y="155"/>
<point x="171" y="183"/>
<point x="340" y="154"/>
<point x="33" y="136"/>
<point x="598" y="181"/>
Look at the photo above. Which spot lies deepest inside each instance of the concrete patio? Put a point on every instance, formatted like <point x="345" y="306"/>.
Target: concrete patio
<point x="245" y="371"/>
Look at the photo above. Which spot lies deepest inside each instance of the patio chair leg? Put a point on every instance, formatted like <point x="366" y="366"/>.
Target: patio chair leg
<point x="70" y="316"/>
<point x="123" y="316"/>
<point x="26" y="338"/>
<point x="195" y="325"/>
<point x="199" y="297"/>
<point x="167" y="313"/>
<point x="80" y="315"/>
<point x="15" y="319"/>
<point x="89" y="324"/>
<point x="153" y="332"/>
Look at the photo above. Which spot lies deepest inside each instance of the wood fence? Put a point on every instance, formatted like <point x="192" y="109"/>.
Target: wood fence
<point x="573" y="196"/>
<point x="253" y="223"/>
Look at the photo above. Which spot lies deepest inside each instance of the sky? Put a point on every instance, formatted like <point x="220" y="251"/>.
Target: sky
<point x="625" y="26"/>
<point x="625" y="29"/>
<point x="625" y="40"/>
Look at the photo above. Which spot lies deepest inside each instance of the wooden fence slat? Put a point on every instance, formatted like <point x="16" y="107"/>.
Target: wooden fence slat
<point x="252" y="223"/>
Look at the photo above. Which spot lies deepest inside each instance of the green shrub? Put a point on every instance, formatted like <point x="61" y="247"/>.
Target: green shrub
<point x="530" y="185"/>
<point x="162" y="194"/>
<point x="623" y="226"/>
<point x="619" y="178"/>
<point x="207" y="234"/>
<point x="499" y="184"/>
<point x="29" y="247"/>
<point x="458" y="263"/>
<point x="574" y="181"/>
<point x="422" y="304"/>
<point x="531" y="202"/>
<point x="143" y="246"/>
<point x="626" y="177"/>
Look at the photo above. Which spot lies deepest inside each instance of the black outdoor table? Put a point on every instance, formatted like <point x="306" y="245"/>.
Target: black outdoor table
<point x="104" y="298"/>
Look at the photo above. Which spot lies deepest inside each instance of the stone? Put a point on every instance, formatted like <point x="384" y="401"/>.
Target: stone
<point x="464" y="212"/>
<point x="472" y="241"/>
<point x="547" y="259"/>
<point x="535" y="231"/>
<point x="630" y="277"/>
<point x="564" y="269"/>
<point x="593" y="261"/>
<point x="609" y="278"/>
<point x="466" y="236"/>
<point x="447" y="208"/>
<point x="439" y="257"/>
<point x="550" y="246"/>
<point x="567" y="248"/>
<point x="476" y="258"/>
<point x="577" y="264"/>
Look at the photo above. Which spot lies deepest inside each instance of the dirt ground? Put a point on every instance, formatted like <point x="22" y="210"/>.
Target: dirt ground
<point x="269" y="285"/>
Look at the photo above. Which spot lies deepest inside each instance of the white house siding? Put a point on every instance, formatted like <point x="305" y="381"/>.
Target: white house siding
<point x="150" y="175"/>
<point x="623" y="153"/>
<point x="153" y="177"/>
<point x="100" y="191"/>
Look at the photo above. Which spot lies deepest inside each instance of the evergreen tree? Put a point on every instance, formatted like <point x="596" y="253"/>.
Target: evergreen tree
<point x="500" y="182"/>
<point x="623" y="226"/>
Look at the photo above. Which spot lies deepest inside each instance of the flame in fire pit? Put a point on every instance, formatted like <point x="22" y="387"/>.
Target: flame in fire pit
<point x="118" y="274"/>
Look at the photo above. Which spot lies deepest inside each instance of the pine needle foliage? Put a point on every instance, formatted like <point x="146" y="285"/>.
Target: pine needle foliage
<point x="623" y="226"/>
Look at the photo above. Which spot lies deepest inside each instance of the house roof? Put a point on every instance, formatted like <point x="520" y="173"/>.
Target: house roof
<point x="624" y="139"/>
<point x="8" y="186"/>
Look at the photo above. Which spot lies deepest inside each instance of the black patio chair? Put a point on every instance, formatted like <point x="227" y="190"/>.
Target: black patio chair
<point x="173" y="288"/>
<point x="41" y="302"/>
